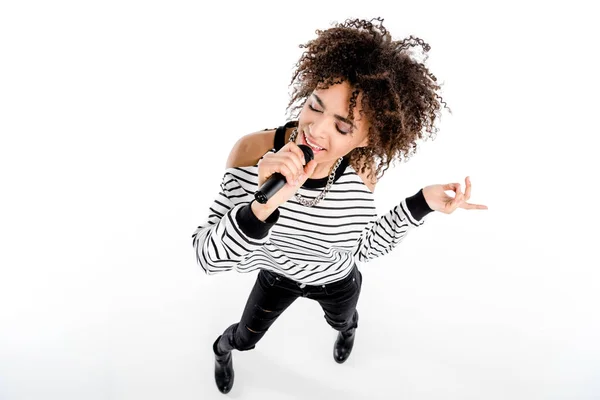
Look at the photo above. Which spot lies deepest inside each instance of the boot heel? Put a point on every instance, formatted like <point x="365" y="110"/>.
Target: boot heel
<point x="224" y="373"/>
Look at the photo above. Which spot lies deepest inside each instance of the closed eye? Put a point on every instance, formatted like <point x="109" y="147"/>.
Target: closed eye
<point x="336" y="127"/>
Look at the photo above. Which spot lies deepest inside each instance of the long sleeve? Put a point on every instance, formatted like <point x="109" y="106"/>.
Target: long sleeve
<point x="391" y="228"/>
<point x="231" y="230"/>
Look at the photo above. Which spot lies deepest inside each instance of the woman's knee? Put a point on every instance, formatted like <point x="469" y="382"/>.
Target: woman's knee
<point x="250" y="330"/>
<point x="246" y="337"/>
<point x="343" y="324"/>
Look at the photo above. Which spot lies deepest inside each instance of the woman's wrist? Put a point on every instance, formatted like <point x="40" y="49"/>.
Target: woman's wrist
<point x="417" y="205"/>
<point x="261" y="211"/>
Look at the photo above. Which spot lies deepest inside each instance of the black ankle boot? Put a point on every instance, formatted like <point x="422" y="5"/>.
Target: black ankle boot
<point x="223" y="368"/>
<point x="343" y="345"/>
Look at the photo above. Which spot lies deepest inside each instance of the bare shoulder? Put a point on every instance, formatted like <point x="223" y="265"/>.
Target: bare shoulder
<point x="369" y="182"/>
<point x="250" y="148"/>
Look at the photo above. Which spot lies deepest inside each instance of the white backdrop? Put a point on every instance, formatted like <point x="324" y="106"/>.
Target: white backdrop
<point x="117" y="118"/>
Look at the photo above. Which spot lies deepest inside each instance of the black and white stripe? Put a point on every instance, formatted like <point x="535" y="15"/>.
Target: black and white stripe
<point x="312" y="245"/>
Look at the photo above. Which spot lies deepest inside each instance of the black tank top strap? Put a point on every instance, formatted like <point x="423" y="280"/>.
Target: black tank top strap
<point x="280" y="134"/>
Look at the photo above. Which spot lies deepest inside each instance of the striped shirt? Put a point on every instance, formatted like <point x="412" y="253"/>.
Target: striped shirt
<point x="311" y="245"/>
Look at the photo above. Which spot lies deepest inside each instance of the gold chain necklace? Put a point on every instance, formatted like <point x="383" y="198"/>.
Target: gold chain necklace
<point x="321" y="196"/>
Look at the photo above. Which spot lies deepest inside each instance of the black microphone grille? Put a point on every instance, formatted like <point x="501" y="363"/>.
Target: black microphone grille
<point x="308" y="153"/>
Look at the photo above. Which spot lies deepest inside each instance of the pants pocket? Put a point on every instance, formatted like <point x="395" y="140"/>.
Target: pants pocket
<point x="267" y="279"/>
<point x="351" y="284"/>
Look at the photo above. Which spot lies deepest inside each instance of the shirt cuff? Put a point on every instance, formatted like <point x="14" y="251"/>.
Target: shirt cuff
<point x="251" y="225"/>
<point x="417" y="205"/>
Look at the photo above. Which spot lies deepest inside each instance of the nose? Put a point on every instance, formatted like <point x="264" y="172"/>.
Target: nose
<point x="318" y="129"/>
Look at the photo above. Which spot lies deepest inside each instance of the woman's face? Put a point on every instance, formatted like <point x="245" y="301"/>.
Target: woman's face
<point x="324" y="120"/>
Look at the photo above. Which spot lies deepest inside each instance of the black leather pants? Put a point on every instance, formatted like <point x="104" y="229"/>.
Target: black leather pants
<point x="272" y="294"/>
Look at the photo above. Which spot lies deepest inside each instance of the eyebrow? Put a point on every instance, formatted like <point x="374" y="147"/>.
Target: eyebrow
<point x="339" y="117"/>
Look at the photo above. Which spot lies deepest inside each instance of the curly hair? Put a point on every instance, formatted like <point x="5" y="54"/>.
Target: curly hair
<point x="400" y="96"/>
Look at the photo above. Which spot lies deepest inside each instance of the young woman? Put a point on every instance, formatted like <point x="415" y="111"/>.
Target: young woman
<point x="362" y="98"/>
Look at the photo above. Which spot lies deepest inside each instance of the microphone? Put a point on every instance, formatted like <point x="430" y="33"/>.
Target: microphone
<point x="277" y="180"/>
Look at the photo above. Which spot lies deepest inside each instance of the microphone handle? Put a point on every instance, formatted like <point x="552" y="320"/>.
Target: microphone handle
<point x="270" y="187"/>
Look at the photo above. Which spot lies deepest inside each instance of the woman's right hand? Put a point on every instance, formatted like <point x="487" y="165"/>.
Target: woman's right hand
<point x="288" y="161"/>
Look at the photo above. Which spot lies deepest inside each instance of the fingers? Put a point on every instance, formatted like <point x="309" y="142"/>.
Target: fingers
<point x="294" y="163"/>
<point x="289" y="173"/>
<point x="308" y="171"/>
<point x="310" y="167"/>
<point x="459" y="193"/>
<point x="283" y="165"/>
<point x="469" y="206"/>
<point x="296" y="156"/>
<point x="458" y="199"/>
<point x="293" y="148"/>
<point x="289" y="164"/>
<point x="452" y="186"/>
<point x="467" y="188"/>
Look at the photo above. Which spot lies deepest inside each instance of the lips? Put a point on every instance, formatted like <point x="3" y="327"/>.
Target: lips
<point x="304" y="141"/>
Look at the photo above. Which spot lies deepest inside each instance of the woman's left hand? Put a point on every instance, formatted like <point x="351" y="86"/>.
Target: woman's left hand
<point x="438" y="200"/>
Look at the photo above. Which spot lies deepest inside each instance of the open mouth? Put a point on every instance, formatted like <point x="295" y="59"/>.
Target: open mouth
<point x="314" y="147"/>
